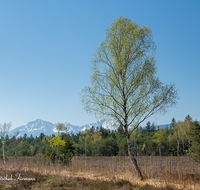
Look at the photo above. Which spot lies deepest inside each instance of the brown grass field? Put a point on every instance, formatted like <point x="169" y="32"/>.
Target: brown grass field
<point x="166" y="173"/>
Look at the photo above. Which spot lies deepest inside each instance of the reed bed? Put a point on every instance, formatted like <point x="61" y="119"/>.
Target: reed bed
<point x="177" y="172"/>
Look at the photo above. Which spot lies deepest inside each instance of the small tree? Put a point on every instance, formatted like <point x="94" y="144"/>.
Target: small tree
<point x="124" y="85"/>
<point x="61" y="128"/>
<point x="55" y="142"/>
<point x="4" y="131"/>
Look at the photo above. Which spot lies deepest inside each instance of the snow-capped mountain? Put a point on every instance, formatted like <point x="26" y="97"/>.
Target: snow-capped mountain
<point x="40" y="126"/>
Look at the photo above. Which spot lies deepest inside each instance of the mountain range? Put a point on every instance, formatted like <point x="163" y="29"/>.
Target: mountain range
<point x="40" y="126"/>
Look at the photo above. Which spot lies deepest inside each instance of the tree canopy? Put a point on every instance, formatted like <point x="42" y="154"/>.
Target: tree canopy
<point x="124" y="83"/>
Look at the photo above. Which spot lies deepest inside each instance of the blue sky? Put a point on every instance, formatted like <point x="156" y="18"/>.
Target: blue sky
<point x="46" y="47"/>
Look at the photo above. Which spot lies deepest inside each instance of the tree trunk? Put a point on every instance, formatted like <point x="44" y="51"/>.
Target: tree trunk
<point x="15" y="150"/>
<point x="135" y="145"/>
<point x="130" y="152"/>
<point x="160" y="150"/>
<point x="96" y="149"/>
<point x="178" y="147"/>
<point x="4" y="160"/>
<point x="189" y="145"/>
<point x="85" y="148"/>
<point x="50" y="156"/>
<point x="183" y="147"/>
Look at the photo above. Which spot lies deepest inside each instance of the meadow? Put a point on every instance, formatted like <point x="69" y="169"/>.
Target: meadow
<point x="101" y="173"/>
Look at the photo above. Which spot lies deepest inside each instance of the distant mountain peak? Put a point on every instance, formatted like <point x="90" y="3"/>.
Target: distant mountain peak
<point x="38" y="126"/>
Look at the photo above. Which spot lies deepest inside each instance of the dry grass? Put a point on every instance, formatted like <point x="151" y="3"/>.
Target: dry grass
<point x="109" y="173"/>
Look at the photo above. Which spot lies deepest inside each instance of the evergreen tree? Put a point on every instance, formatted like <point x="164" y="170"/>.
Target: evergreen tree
<point x="92" y="130"/>
<point x="172" y="124"/>
<point x="188" y="123"/>
<point x="105" y="132"/>
<point x="153" y="128"/>
<point x="195" y="138"/>
<point x="41" y="136"/>
<point x="148" y="127"/>
<point x="121" y="141"/>
<point x="108" y="147"/>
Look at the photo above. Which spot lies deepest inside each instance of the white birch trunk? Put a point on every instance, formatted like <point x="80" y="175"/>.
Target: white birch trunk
<point x="134" y="161"/>
<point x="135" y="145"/>
<point x="160" y="150"/>
<point x="178" y="147"/>
<point x="96" y="149"/>
<point x="85" y="148"/>
<point x="4" y="160"/>
<point x="183" y="147"/>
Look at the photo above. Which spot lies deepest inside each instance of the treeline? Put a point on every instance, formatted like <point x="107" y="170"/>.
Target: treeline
<point x="179" y="138"/>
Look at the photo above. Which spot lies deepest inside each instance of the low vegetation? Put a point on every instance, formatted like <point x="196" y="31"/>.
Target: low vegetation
<point x="165" y="173"/>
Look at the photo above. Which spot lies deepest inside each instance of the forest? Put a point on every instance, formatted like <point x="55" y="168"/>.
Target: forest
<point x="178" y="139"/>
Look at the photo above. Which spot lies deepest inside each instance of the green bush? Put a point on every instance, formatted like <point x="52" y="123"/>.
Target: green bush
<point x="1" y="157"/>
<point x="65" y="159"/>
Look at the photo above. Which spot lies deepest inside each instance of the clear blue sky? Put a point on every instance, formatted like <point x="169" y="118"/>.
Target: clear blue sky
<point x="46" y="47"/>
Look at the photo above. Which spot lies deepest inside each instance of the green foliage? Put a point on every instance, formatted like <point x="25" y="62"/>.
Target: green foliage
<point x="108" y="147"/>
<point x="121" y="142"/>
<point x="60" y="147"/>
<point x="61" y="128"/>
<point x="160" y="136"/>
<point x="50" y="181"/>
<point x="56" y="141"/>
<point x="64" y="158"/>
<point x="146" y="141"/>
<point x="123" y="81"/>
<point x="1" y="157"/>
<point x="50" y="155"/>
<point x="195" y="138"/>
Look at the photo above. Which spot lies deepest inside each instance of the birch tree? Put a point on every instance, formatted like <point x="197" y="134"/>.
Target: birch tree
<point x="177" y="134"/>
<point x="124" y="85"/>
<point x="85" y="135"/>
<point x="4" y="131"/>
<point x="96" y="136"/>
<point x="160" y="137"/>
<point x="183" y="134"/>
<point x="61" y="128"/>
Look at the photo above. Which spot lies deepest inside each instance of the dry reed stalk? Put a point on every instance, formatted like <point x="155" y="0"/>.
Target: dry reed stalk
<point x="180" y="172"/>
